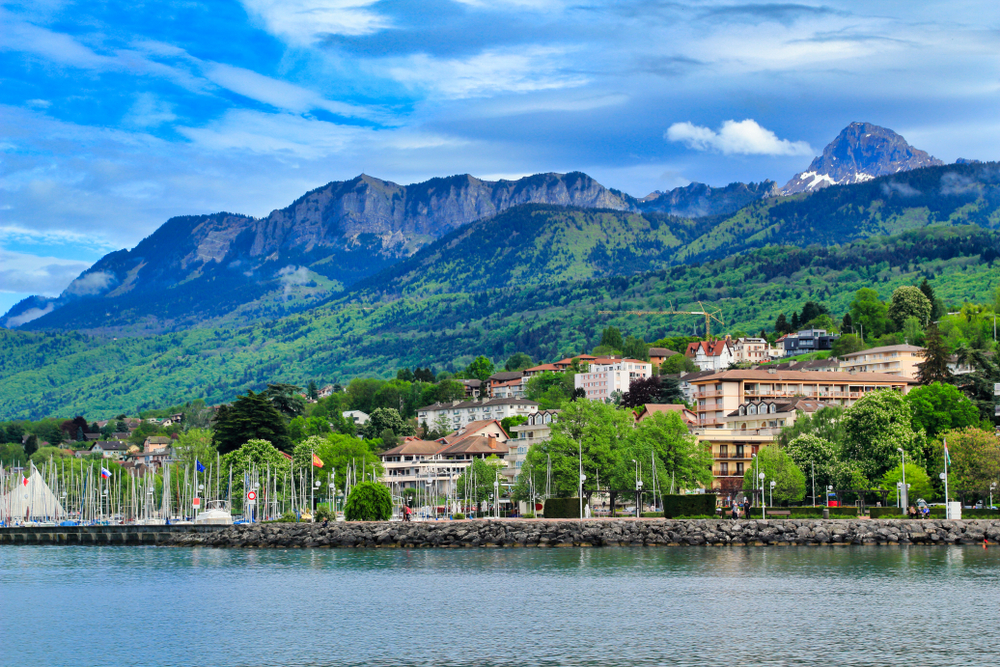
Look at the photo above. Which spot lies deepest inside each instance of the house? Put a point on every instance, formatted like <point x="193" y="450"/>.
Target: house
<point x="689" y="416"/>
<point x="503" y="379"/>
<point x="808" y="340"/>
<point x="462" y="413"/>
<point x="606" y="376"/>
<point x="890" y="359"/>
<point x="657" y="355"/>
<point x="473" y="387"/>
<point x="537" y="429"/>
<point x="711" y="355"/>
<point x="754" y="351"/>
<point x="110" y="449"/>
<point x="357" y="417"/>
<point x="719" y="394"/>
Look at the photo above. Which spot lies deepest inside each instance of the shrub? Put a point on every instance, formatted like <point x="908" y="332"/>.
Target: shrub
<point x="368" y="501"/>
<point x="457" y="516"/>
<point x="652" y="515"/>
<point x="562" y="508"/>
<point x="323" y="513"/>
<point x="695" y="504"/>
<point x="817" y="512"/>
<point x="528" y="515"/>
<point x="977" y="514"/>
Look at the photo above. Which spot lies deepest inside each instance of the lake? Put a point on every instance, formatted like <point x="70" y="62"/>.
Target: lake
<point x="609" y="606"/>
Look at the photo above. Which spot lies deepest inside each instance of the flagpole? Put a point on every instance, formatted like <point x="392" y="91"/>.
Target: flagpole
<point x="312" y="484"/>
<point x="947" y="508"/>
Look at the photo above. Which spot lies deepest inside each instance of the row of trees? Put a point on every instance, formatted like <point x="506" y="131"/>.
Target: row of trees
<point x="859" y="447"/>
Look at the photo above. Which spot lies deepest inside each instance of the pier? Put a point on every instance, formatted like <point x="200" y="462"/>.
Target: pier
<point x="128" y="535"/>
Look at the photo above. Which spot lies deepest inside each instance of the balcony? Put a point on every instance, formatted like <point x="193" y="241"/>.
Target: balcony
<point x="714" y="393"/>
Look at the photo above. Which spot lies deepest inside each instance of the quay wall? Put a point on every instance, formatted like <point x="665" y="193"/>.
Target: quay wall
<point x="595" y="533"/>
<point x="100" y="535"/>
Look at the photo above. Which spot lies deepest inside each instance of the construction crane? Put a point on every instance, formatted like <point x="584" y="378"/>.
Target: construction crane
<point x="709" y="315"/>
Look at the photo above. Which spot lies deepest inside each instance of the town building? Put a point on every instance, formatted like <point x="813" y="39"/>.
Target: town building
<point x="537" y="429"/>
<point x="710" y="355"/>
<point x="438" y="464"/>
<point x="808" y="340"/>
<point x="657" y="355"/>
<point x="458" y="414"/>
<point x="606" y="376"/>
<point x="719" y="394"/>
<point x="357" y="417"/>
<point x="114" y="450"/>
<point x="754" y="351"/>
<point x="891" y="360"/>
<point x="689" y="416"/>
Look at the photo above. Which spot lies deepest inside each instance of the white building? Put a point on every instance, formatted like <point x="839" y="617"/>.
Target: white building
<point x="754" y="351"/>
<point x="537" y="429"/>
<point x="606" y="376"/>
<point x="359" y="418"/>
<point x="458" y="414"/>
<point x="711" y="355"/>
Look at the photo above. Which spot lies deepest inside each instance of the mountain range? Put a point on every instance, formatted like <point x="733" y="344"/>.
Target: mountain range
<point x="363" y="276"/>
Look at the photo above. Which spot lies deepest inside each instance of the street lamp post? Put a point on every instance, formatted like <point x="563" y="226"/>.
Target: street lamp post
<point x="579" y="444"/>
<point x="993" y="485"/>
<point x="899" y="494"/>
<point x="763" y="508"/>
<point x="773" y="484"/>
<point x="812" y="465"/>
<point x="496" y="494"/>
<point x="754" y="457"/>
<point x="902" y="466"/>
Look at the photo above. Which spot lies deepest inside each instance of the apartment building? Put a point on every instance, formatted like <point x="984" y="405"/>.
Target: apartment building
<point x="537" y="429"/>
<point x="891" y="360"/>
<point x="754" y="351"/>
<point x="458" y="414"/>
<point x="719" y="394"/>
<point x="606" y="376"/>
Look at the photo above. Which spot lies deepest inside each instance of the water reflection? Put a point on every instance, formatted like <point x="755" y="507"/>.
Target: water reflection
<point x="765" y="606"/>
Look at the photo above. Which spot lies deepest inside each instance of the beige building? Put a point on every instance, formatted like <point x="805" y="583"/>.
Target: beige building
<point x="537" y="429"/>
<point x="719" y="394"/>
<point x="899" y="360"/>
<point x="606" y="376"/>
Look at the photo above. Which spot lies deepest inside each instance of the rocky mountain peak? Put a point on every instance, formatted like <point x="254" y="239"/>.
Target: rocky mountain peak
<point x="861" y="152"/>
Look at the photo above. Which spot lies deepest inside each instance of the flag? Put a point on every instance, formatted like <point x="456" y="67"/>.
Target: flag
<point x="317" y="462"/>
<point x="947" y="456"/>
<point x="199" y="466"/>
<point x="24" y="480"/>
<point x="105" y="473"/>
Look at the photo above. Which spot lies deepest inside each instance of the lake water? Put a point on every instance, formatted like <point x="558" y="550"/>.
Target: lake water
<point x="610" y="606"/>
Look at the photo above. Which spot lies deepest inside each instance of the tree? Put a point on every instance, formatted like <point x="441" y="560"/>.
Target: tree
<point x="551" y="390"/>
<point x="481" y="368"/>
<point x="195" y="444"/>
<point x="635" y="348"/>
<point x="975" y="461"/>
<point x="814" y="456"/>
<point x="405" y="375"/>
<point x="476" y="481"/>
<point x="824" y="424"/>
<point x="908" y="301"/>
<point x="338" y="452"/>
<point x="868" y="313"/>
<point x="928" y="291"/>
<point x="31" y="445"/>
<point x="612" y="337"/>
<point x="286" y="399"/>
<point x="781" y="325"/>
<point x="302" y="427"/>
<point x="680" y="457"/>
<point x="934" y="367"/>
<point x="368" y="501"/>
<point x="250" y="417"/>
<point x="514" y="420"/>
<point x="676" y="363"/>
<point x="656" y="389"/>
<point x="254" y="453"/>
<point x="847" y="344"/>
<point x="777" y="467"/>
<point x="313" y="391"/>
<point x="916" y="478"/>
<point x="423" y="375"/>
<point x="913" y="331"/>
<point x="386" y="418"/>
<point x="448" y="390"/>
<point x="811" y="311"/>
<point x="939" y="407"/>
<point x="518" y="362"/>
<point x="874" y="428"/>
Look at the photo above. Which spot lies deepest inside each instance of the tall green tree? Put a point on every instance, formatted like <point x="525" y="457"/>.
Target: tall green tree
<point x="814" y="456"/>
<point x="939" y="407"/>
<point x="518" y="362"/>
<point x="481" y="368"/>
<point x="250" y="417"/>
<point x="476" y="481"/>
<point x="386" y="418"/>
<point x="975" y="462"/>
<point x="286" y="399"/>
<point x="908" y="301"/>
<point x="874" y="427"/>
<point x="916" y="478"/>
<point x="368" y="501"/>
<point x="934" y="367"/>
<point x="869" y="314"/>
<point x="195" y="444"/>
<point x="612" y="338"/>
<point x="777" y="467"/>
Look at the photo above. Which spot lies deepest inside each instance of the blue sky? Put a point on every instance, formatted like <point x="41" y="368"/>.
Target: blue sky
<point x="115" y="116"/>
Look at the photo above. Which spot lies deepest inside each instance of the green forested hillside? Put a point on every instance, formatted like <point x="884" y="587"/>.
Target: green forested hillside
<point x="70" y="373"/>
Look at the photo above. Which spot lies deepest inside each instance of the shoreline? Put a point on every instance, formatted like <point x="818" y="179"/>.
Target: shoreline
<point x="529" y="533"/>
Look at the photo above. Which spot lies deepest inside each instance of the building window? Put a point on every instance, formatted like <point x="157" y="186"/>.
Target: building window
<point x="724" y="468"/>
<point x="739" y="468"/>
<point x="739" y="451"/>
<point x="723" y="450"/>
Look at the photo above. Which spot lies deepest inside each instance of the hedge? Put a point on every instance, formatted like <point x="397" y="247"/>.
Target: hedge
<point x="980" y="514"/>
<point x="896" y="513"/>
<point x="562" y="508"/>
<point x="817" y="512"/>
<point x="694" y="504"/>
<point x="652" y="515"/>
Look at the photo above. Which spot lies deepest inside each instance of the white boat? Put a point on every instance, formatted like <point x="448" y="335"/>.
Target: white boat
<point x="216" y="513"/>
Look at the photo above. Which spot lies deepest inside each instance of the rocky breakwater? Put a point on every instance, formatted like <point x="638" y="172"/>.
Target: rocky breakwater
<point x="625" y="532"/>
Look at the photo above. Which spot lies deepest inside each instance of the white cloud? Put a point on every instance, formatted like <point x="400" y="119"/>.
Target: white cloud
<point x="743" y="137"/>
<point x="34" y="274"/>
<point x="304" y="21"/>
<point x="91" y="283"/>
<point x="28" y="316"/>
<point x="149" y="111"/>
<point x="491" y="72"/>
